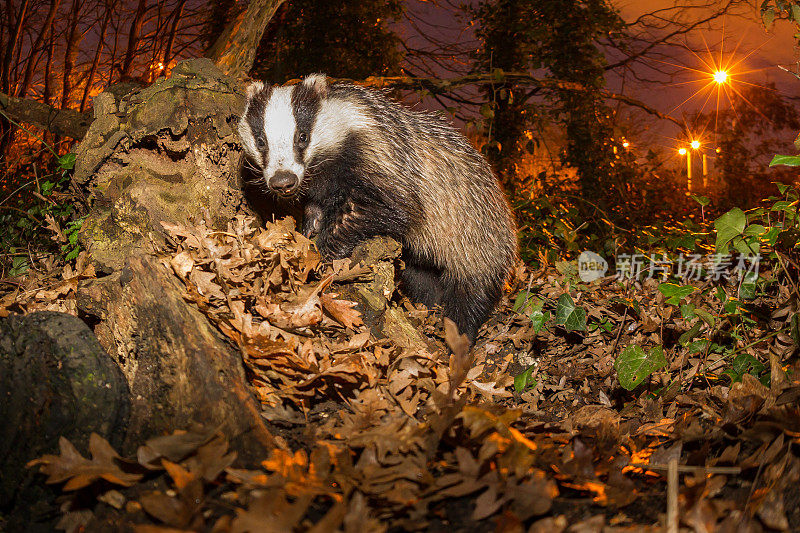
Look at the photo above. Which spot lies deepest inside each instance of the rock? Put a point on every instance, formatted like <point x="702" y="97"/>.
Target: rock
<point x="55" y="380"/>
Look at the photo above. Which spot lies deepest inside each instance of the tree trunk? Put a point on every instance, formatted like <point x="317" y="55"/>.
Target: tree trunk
<point x="66" y="122"/>
<point x="168" y="153"/>
<point x="70" y="54"/>
<point x="7" y="129"/>
<point x="11" y="48"/>
<point x="172" y="32"/>
<point x="179" y="368"/>
<point x="93" y="71"/>
<point x="40" y="39"/>
<point x="133" y="39"/>
<point x="235" y="50"/>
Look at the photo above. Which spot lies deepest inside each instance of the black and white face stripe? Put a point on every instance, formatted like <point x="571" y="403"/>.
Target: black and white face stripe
<point x="284" y="128"/>
<point x="306" y="102"/>
<point x="251" y="124"/>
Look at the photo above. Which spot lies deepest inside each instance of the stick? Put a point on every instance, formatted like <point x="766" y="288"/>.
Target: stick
<point x="672" y="496"/>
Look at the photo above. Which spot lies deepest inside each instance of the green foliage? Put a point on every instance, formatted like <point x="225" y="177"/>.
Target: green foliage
<point x="728" y="226"/>
<point x="524" y="380"/>
<point x="567" y="315"/>
<point x="572" y="317"/>
<point x="532" y="307"/>
<point x="786" y="160"/>
<point x="31" y="221"/>
<point x="716" y="320"/>
<point x="748" y="133"/>
<point x="746" y="364"/>
<point x="633" y="365"/>
<point x="675" y="293"/>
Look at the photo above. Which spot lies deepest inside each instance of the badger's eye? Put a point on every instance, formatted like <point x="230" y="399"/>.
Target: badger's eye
<point x="260" y="142"/>
<point x="302" y="138"/>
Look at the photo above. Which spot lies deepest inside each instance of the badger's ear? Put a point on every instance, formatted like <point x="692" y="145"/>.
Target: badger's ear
<point x="317" y="82"/>
<point x="254" y="88"/>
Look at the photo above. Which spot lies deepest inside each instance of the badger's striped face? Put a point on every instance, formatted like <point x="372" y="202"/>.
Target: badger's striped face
<point x="277" y="127"/>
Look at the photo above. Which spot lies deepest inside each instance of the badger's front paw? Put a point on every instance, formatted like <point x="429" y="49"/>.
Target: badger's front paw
<point x="312" y="220"/>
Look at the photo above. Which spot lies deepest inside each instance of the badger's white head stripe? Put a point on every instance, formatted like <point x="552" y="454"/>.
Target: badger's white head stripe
<point x="279" y="129"/>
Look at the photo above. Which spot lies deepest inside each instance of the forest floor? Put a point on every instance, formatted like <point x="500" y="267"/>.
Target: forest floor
<point x="540" y="435"/>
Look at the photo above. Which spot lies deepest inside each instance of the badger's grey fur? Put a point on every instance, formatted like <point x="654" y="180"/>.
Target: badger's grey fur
<point x="367" y="166"/>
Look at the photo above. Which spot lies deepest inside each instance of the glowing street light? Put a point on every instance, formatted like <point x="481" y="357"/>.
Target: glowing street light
<point x="625" y="144"/>
<point x="695" y="144"/>
<point x="682" y="151"/>
<point x="721" y="76"/>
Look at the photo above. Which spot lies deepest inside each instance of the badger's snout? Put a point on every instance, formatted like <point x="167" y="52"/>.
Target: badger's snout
<point x="283" y="182"/>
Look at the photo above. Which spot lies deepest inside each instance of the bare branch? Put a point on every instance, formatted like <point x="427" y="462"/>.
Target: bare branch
<point x="440" y="86"/>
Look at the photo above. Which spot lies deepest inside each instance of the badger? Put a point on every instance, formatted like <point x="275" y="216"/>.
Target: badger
<point x="365" y="166"/>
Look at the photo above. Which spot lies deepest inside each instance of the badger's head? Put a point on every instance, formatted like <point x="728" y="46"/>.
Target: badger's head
<point x="282" y="130"/>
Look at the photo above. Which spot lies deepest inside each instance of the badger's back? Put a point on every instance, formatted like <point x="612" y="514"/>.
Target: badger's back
<point x="466" y="227"/>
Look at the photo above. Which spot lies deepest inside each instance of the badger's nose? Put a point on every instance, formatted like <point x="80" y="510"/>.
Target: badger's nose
<point x="283" y="181"/>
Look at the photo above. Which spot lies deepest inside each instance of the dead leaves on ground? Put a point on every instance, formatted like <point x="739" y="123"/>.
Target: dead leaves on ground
<point x="78" y="472"/>
<point x="371" y="435"/>
<point x="48" y="286"/>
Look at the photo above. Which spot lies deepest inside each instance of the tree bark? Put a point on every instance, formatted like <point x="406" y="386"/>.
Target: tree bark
<point x="235" y="50"/>
<point x="67" y="122"/>
<point x="179" y="368"/>
<point x="166" y="153"/>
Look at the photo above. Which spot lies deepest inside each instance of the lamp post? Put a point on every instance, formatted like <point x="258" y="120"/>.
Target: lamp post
<point x="695" y="144"/>
<point x="688" y="154"/>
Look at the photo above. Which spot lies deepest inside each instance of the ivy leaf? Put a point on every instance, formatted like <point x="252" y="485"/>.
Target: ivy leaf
<point x="728" y="226"/>
<point x="568" y="315"/>
<point x="675" y="293"/>
<point x="634" y="365"/>
<point x="539" y="318"/>
<point x="706" y="317"/>
<point x="66" y="162"/>
<point x="744" y="364"/>
<point x="787" y="160"/>
<point x="524" y="380"/>
<point x="702" y="200"/>
<point x="522" y="302"/>
<point x="747" y="289"/>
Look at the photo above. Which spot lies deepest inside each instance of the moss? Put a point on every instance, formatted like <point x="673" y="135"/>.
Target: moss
<point x="168" y="197"/>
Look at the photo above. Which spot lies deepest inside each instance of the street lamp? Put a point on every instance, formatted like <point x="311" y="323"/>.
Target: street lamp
<point x="720" y="76"/>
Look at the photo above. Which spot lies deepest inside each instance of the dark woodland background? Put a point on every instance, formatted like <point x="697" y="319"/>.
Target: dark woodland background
<point x="555" y="128"/>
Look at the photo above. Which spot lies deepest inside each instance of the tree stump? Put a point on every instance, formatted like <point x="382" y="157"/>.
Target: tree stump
<point x="167" y="153"/>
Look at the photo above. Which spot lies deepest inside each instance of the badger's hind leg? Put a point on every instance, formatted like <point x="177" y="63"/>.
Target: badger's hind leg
<point x="470" y="304"/>
<point x="422" y="285"/>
